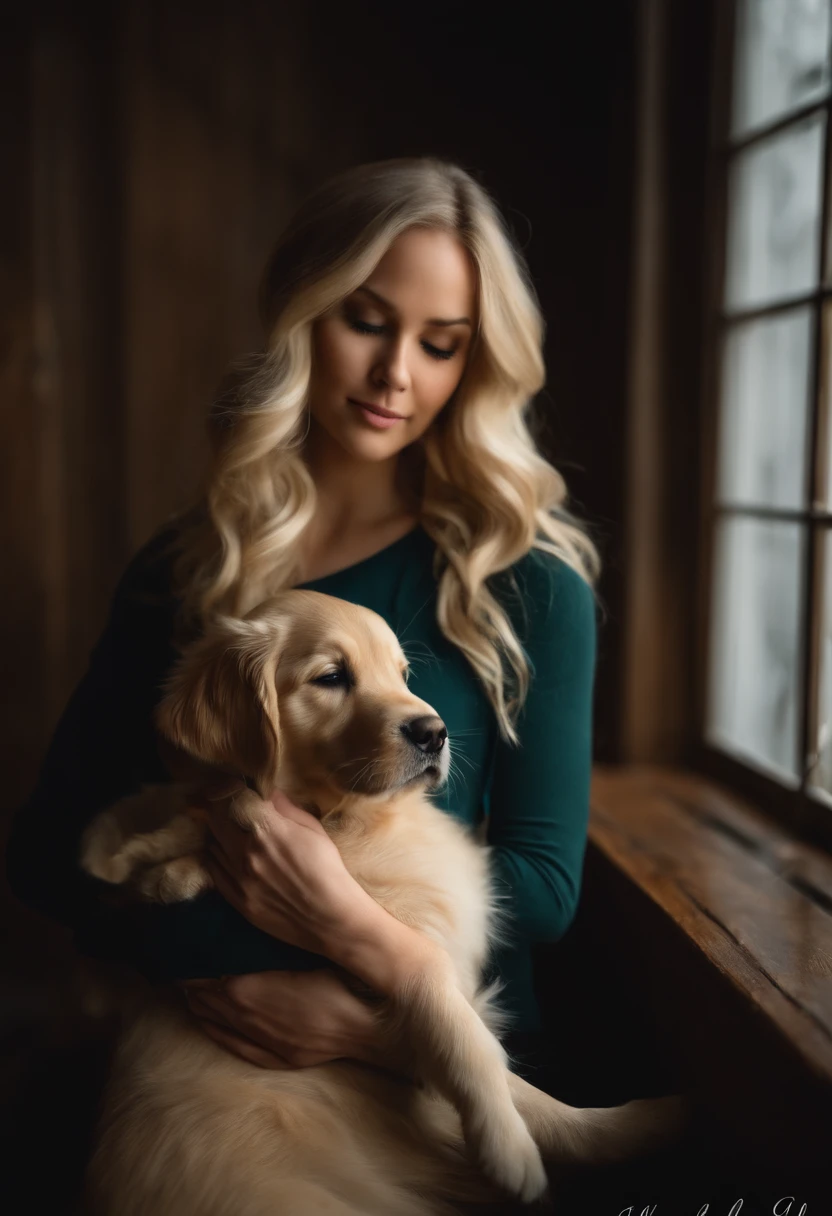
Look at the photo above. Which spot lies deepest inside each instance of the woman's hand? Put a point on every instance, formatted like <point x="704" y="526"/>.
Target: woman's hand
<point x="285" y="1019"/>
<point x="289" y="880"/>
<point x="286" y="877"/>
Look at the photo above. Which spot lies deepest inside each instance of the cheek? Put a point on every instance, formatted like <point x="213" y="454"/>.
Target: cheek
<point x="338" y="357"/>
<point x="437" y="385"/>
<point x="312" y="721"/>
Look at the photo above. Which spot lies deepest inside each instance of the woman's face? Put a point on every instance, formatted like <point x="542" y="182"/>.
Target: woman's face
<point x="399" y="342"/>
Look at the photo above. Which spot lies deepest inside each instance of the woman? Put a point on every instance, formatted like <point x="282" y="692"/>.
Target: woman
<point x="377" y="450"/>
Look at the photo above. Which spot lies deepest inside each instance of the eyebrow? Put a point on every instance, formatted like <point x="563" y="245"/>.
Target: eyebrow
<point x="392" y="307"/>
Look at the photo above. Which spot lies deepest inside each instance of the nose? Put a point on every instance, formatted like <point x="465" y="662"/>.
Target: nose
<point x="392" y="370"/>
<point x="428" y="733"/>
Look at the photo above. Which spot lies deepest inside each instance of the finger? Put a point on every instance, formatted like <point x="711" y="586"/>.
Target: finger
<point x="222" y="1010"/>
<point x="227" y="867"/>
<point x="220" y="854"/>
<point x="233" y="1020"/>
<point x="222" y="789"/>
<point x="283" y="804"/>
<point x="223" y="878"/>
<point x="242" y="1047"/>
<point x="208" y="1005"/>
<point x="191" y="989"/>
<point x="288" y="810"/>
<point x="225" y="835"/>
<point x="206" y="982"/>
<point x="214" y="998"/>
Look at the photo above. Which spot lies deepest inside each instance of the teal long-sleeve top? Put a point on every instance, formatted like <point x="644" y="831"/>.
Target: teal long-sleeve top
<point x="535" y="797"/>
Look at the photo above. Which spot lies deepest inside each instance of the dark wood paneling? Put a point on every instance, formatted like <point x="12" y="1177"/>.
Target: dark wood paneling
<point x="226" y="132"/>
<point x="77" y="247"/>
<point x="657" y="708"/>
<point x="22" y="663"/>
<point x="63" y="513"/>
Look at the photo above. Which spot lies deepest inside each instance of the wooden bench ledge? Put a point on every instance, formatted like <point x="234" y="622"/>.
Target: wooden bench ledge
<point x="753" y="905"/>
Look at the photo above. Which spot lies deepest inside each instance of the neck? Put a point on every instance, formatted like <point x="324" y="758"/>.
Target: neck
<point x="354" y="494"/>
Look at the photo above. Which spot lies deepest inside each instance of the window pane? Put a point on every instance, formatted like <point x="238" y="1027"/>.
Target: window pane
<point x="773" y="217"/>
<point x="821" y="777"/>
<point x="781" y="58"/>
<point x="755" y="643"/>
<point x="764" y="411"/>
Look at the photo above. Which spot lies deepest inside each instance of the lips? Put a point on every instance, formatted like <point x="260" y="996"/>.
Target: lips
<point x="375" y="409"/>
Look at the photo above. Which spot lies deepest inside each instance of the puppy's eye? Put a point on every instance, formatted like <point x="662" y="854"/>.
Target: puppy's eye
<point x="331" y="679"/>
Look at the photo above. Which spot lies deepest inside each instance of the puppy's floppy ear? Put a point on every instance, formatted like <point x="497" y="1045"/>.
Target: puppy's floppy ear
<point x="220" y="703"/>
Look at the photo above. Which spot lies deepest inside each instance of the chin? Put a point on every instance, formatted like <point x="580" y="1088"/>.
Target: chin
<point x="358" y="440"/>
<point x="430" y="778"/>
<point x="377" y="453"/>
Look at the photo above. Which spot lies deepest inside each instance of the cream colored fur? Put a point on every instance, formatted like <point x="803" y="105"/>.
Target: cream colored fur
<point x="188" y="1128"/>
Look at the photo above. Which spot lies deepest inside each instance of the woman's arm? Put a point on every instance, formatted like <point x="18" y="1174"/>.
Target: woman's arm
<point x="539" y="798"/>
<point x="287" y="1019"/>
<point x="290" y="881"/>
<point x="103" y="749"/>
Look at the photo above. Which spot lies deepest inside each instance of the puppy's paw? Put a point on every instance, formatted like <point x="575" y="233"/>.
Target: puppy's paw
<point x="102" y="851"/>
<point x="507" y="1153"/>
<point x="174" y="881"/>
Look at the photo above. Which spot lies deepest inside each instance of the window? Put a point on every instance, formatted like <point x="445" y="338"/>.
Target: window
<point x="768" y="697"/>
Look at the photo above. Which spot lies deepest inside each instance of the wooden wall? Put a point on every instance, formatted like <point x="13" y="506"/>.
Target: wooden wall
<point x="154" y="150"/>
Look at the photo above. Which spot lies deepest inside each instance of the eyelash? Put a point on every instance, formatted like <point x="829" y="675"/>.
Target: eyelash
<point x="333" y="679"/>
<point x="363" y="327"/>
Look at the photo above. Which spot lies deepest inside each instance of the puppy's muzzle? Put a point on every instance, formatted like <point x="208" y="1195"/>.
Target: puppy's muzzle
<point x="428" y="735"/>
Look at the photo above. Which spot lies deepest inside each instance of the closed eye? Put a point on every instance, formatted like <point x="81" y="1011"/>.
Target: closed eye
<point x="435" y="352"/>
<point x="332" y="679"/>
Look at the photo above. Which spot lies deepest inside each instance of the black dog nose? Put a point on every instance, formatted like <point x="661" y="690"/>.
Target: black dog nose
<point x="428" y="733"/>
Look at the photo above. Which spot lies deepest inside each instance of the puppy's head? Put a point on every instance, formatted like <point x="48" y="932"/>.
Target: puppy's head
<point x="308" y="693"/>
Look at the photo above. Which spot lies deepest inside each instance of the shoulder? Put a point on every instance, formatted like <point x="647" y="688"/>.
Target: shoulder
<point x="541" y="571"/>
<point x="557" y="628"/>
<point x="543" y="593"/>
<point x="148" y="577"/>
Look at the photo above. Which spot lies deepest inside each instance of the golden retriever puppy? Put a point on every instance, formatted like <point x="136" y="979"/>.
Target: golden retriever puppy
<point x="188" y="1128"/>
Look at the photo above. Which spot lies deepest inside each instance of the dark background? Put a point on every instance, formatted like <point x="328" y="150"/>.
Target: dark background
<point x="154" y="150"/>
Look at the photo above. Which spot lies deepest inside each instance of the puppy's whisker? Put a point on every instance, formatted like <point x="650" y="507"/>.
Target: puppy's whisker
<point x="454" y="770"/>
<point x="411" y="647"/>
<point x="429" y="657"/>
<point x="452" y="784"/>
<point x="460" y="757"/>
<point x="415" y="614"/>
<point x="375" y="760"/>
<point x="352" y="760"/>
<point x="417" y="658"/>
<point x="360" y="773"/>
<point x="415" y="664"/>
<point x="452" y="776"/>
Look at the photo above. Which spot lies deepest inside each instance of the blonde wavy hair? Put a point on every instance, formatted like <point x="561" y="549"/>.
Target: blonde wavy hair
<point x="487" y="495"/>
